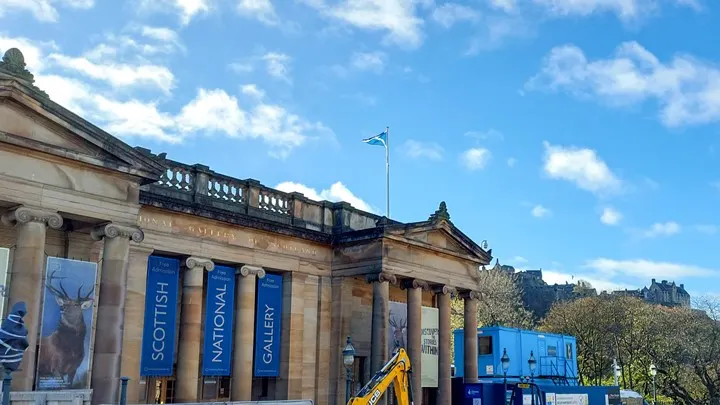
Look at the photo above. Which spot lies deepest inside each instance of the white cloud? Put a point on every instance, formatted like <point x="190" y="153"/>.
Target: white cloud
<point x="475" y="158"/>
<point x="450" y="13"/>
<point x="596" y="280"/>
<point x="686" y="89"/>
<point x="539" y="211"/>
<point x="624" y="9"/>
<point x="397" y="18"/>
<point x="277" y="65"/>
<point x="504" y="5"/>
<point x="186" y="9"/>
<point x="580" y="166"/>
<point x="646" y="269"/>
<point x="491" y="134"/>
<point x="707" y="229"/>
<point x="42" y="10"/>
<point x="374" y="61"/>
<point x="213" y="111"/>
<point x="336" y="192"/>
<point x="662" y="229"/>
<point x="518" y="260"/>
<point x="511" y="162"/>
<point x="416" y="149"/>
<point x="119" y="75"/>
<point x="610" y="216"/>
<point x="262" y="10"/>
<point x="253" y="91"/>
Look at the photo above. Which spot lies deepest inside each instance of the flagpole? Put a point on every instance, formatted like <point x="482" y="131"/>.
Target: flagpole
<point x="387" y="172"/>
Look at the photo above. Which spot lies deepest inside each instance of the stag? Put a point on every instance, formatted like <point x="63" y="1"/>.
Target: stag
<point x="399" y="325"/>
<point x="62" y="352"/>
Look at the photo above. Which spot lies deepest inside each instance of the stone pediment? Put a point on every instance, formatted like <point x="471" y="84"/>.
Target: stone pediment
<point x="440" y="235"/>
<point x="29" y="119"/>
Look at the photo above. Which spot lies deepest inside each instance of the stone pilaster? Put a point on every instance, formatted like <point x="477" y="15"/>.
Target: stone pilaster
<point x="245" y="332"/>
<point x="190" y="345"/>
<point x="134" y="320"/>
<point x="470" y="336"/>
<point x="107" y="356"/>
<point x="322" y="375"/>
<point x="415" y="289"/>
<point x="379" y="351"/>
<point x="444" y="393"/>
<point x="341" y="313"/>
<point x="291" y="352"/>
<point x="310" y="337"/>
<point x="26" y="276"/>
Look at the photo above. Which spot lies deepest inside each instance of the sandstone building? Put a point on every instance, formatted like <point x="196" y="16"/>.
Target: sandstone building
<point x="199" y="286"/>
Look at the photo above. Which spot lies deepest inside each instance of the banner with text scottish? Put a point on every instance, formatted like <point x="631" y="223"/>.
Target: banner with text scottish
<point x="267" y="330"/>
<point x="219" y="306"/>
<point x="161" y="300"/>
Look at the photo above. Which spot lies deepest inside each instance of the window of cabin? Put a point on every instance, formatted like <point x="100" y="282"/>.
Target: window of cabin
<point x="552" y="351"/>
<point x="484" y="345"/>
<point x="568" y="351"/>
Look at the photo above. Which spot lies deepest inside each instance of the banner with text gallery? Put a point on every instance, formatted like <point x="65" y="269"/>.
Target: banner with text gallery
<point x="67" y="322"/>
<point x="268" y="314"/>
<point x="161" y="300"/>
<point x="219" y="309"/>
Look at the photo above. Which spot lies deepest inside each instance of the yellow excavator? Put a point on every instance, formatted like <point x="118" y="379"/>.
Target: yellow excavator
<point x="395" y="372"/>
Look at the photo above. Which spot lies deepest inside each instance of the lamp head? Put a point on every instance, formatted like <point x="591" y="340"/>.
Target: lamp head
<point x="348" y="353"/>
<point x="505" y="361"/>
<point x="532" y="363"/>
<point x="653" y="370"/>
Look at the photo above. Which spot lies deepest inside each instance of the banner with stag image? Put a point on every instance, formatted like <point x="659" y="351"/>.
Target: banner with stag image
<point x="67" y="323"/>
<point x="4" y="264"/>
<point x="397" y="335"/>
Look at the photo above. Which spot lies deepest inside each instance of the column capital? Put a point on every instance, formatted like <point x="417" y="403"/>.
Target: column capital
<point x="246" y="270"/>
<point x="381" y="278"/>
<point x="470" y="295"/>
<point x="445" y="290"/>
<point x="193" y="262"/>
<point x="111" y="231"/>
<point x="414" y="283"/>
<point x="24" y="214"/>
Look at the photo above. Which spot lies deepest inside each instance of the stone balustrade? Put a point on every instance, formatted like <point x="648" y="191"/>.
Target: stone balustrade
<point x="198" y="190"/>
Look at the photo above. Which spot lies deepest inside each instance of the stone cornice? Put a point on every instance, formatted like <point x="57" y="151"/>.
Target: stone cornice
<point x="246" y="270"/>
<point x="110" y="231"/>
<point x="382" y="278"/>
<point x="194" y="262"/>
<point x="24" y="215"/>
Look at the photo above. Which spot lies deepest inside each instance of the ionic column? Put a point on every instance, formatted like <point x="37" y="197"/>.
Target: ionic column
<point x="470" y="336"/>
<point x="110" y="323"/>
<point x="189" y="347"/>
<point x="380" y="313"/>
<point x="444" y="394"/>
<point x="26" y="277"/>
<point x="245" y="332"/>
<point x="415" y="289"/>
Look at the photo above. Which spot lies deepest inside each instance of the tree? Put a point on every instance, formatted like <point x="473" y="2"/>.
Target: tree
<point x="500" y="302"/>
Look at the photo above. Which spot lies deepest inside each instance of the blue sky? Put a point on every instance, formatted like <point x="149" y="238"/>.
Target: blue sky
<point x="574" y="136"/>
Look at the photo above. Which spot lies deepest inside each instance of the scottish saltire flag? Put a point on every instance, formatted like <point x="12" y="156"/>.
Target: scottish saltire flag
<point x="379" y="139"/>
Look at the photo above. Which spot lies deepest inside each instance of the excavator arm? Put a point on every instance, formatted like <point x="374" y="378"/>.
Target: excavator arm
<point x="395" y="372"/>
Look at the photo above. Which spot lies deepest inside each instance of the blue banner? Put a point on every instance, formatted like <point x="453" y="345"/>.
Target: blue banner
<point x="268" y="315"/>
<point x="219" y="308"/>
<point x="161" y="300"/>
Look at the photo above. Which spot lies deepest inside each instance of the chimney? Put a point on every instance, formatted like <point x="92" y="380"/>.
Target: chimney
<point x="653" y="281"/>
<point x="682" y="286"/>
<point x="664" y="281"/>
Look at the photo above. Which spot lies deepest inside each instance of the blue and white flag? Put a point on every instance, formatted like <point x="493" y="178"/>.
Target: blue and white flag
<point x="379" y="139"/>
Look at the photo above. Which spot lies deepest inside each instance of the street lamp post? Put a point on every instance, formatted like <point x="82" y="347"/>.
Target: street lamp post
<point x="616" y="372"/>
<point x="505" y="361"/>
<point x="532" y="364"/>
<point x="348" y="360"/>
<point x="653" y="373"/>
